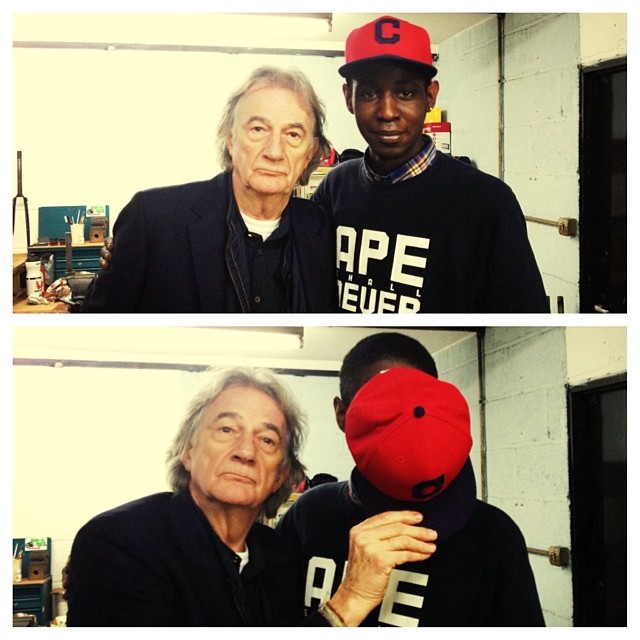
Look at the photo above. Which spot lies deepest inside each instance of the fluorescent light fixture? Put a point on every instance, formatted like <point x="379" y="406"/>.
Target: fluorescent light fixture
<point x="184" y="30"/>
<point x="154" y="344"/>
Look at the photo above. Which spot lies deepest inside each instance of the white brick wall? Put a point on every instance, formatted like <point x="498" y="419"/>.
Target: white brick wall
<point x="526" y="442"/>
<point x="527" y="473"/>
<point x="541" y="102"/>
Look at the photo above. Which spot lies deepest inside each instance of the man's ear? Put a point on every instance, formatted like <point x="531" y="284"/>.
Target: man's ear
<point x="348" y="94"/>
<point x="186" y="457"/>
<point x="340" y="411"/>
<point x="432" y="93"/>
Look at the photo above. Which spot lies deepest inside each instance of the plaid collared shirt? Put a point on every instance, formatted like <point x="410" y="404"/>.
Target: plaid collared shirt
<point x="419" y="163"/>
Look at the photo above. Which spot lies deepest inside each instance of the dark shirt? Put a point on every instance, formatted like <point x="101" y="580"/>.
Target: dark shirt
<point x="478" y="577"/>
<point x="268" y="267"/>
<point x="449" y="240"/>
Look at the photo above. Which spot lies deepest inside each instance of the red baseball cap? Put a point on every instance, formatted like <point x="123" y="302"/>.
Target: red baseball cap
<point x="410" y="436"/>
<point x="388" y="38"/>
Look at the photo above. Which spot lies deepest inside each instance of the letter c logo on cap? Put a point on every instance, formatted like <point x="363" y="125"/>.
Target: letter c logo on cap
<point x="428" y="488"/>
<point x="379" y="35"/>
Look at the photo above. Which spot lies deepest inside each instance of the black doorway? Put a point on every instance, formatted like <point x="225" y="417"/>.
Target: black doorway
<point x="598" y="486"/>
<point x="603" y="189"/>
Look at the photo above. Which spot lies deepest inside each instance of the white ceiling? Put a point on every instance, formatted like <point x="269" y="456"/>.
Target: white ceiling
<point x="273" y="30"/>
<point x="323" y="347"/>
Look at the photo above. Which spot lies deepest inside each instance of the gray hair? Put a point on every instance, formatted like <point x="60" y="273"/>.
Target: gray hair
<point x="262" y="380"/>
<point x="293" y="80"/>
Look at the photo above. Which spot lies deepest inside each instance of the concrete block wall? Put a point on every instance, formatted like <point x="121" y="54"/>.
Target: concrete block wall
<point x="594" y="353"/>
<point x="541" y="135"/>
<point x="468" y="97"/>
<point x="603" y="36"/>
<point x="540" y="125"/>
<point x="526" y="467"/>
<point x="526" y="449"/>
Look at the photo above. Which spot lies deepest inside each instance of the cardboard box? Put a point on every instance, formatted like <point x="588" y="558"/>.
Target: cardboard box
<point x="98" y="229"/>
<point x="440" y="133"/>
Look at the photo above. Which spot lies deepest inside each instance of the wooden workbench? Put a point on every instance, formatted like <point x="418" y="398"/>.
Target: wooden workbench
<point x="20" y="305"/>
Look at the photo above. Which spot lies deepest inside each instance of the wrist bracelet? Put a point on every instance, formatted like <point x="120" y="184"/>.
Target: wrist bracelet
<point x="333" y="618"/>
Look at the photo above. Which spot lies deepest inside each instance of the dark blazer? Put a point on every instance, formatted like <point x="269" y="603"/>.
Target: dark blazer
<point x="157" y="562"/>
<point x="179" y="249"/>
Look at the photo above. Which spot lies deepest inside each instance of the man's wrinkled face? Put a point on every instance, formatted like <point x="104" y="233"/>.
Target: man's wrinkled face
<point x="390" y="101"/>
<point x="237" y="457"/>
<point x="272" y="141"/>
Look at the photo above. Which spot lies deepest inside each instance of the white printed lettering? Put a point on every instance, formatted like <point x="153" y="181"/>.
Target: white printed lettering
<point x="402" y="263"/>
<point x="387" y="302"/>
<point x="359" y="299"/>
<point x="349" y="299"/>
<point x="349" y="236"/>
<point x="402" y="259"/>
<point x="393" y="596"/>
<point x="326" y="569"/>
<point x="375" y="246"/>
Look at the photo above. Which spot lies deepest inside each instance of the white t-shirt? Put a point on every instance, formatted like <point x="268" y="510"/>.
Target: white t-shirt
<point x="263" y="228"/>
<point x="244" y="558"/>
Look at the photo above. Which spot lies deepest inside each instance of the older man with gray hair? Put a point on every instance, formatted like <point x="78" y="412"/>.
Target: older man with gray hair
<point x="239" y="242"/>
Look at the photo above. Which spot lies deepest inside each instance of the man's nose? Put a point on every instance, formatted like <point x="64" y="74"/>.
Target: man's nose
<point x="387" y="106"/>
<point x="274" y="147"/>
<point x="244" y="448"/>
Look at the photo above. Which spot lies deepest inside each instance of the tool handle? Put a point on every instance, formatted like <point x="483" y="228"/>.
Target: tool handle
<point x="68" y="252"/>
<point x="19" y="173"/>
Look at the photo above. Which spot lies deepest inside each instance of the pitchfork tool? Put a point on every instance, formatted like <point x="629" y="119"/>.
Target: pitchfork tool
<point x="24" y="201"/>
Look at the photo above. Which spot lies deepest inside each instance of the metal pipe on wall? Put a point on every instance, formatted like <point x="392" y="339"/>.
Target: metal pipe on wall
<point x="482" y="403"/>
<point x="501" y="82"/>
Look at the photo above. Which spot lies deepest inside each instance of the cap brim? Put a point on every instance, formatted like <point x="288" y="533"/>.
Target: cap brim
<point x="347" y="70"/>
<point x="446" y="513"/>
